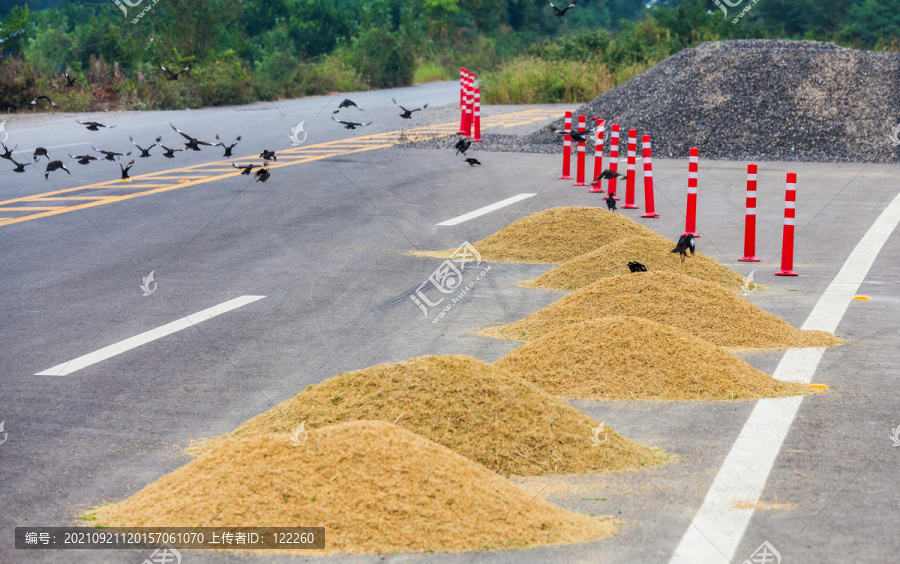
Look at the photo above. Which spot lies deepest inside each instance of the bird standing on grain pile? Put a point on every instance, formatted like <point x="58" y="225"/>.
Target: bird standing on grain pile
<point x="611" y="203"/>
<point x="607" y="175"/>
<point x="685" y="244"/>
<point x="636" y="267"/>
<point x="561" y="13"/>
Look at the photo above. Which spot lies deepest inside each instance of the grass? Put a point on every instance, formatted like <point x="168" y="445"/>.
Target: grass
<point x="532" y="80"/>
<point x="431" y="71"/>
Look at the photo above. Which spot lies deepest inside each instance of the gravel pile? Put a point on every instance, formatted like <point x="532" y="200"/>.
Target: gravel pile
<point x="753" y="100"/>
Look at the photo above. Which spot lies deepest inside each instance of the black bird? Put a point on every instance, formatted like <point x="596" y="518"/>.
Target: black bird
<point x="561" y="13"/>
<point x="110" y="155"/>
<point x="20" y="167"/>
<point x="170" y="153"/>
<point x="636" y="267"/>
<point x="346" y="104"/>
<point x="125" y="169"/>
<point x="229" y="147"/>
<point x="192" y="142"/>
<point x="54" y="165"/>
<point x="268" y="155"/>
<point x="407" y="114"/>
<point x="579" y="137"/>
<point x="685" y="244"/>
<point x="611" y="202"/>
<point x="463" y="145"/>
<point x="7" y="152"/>
<point x="70" y="82"/>
<point x="473" y="162"/>
<point x="84" y="159"/>
<point x="262" y="175"/>
<point x="40" y="98"/>
<point x="245" y="169"/>
<point x="40" y="152"/>
<point x="350" y="124"/>
<point x="607" y="175"/>
<point x="94" y="125"/>
<point x="144" y="152"/>
<point x="174" y="75"/>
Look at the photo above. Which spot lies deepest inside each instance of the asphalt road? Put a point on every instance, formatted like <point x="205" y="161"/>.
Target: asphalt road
<point x="325" y="241"/>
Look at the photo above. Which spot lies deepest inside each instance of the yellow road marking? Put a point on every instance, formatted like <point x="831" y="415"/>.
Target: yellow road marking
<point x="193" y="175"/>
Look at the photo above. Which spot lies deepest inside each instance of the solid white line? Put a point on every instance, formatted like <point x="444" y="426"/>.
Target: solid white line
<point x="717" y="529"/>
<point x="487" y="209"/>
<point x="67" y="368"/>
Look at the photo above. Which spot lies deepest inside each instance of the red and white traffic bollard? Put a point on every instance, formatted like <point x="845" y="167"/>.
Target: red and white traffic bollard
<point x="470" y="103"/>
<point x="598" y="156"/>
<point x="787" y="242"/>
<point x="477" y="138"/>
<point x="567" y="148"/>
<point x="579" y="174"/>
<point x="690" y="221"/>
<point x="613" y="159"/>
<point x="750" y="217"/>
<point x="648" y="179"/>
<point x="463" y="73"/>
<point x="630" y="171"/>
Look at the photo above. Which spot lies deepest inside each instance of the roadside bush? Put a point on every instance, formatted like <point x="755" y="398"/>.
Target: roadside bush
<point x="382" y="59"/>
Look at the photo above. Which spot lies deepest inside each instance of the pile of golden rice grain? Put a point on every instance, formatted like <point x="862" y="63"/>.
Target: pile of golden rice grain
<point x="474" y="408"/>
<point x="654" y="252"/>
<point x="375" y="487"/>
<point x="703" y="309"/>
<point x="627" y="358"/>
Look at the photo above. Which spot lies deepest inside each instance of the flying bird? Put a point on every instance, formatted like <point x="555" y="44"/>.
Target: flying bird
<point x="685" y="244"/>
<point x="561" y="13"/>
<point x="473" y="162"/>
<point x="94" y="125"/>
<point x="577" y="136"/>
<point x="70" y="82"/>
<point x="7" y="152"/>
<point x="636" y="267"/>
<point x="125" y="169"/>
<point x="350" y="124"/>
<point x="110" y="155"/>
<point x="262" y="175"/>
<point x="611" y="203"/>
<point x="607" y="175"/>
<point x="174" y="75"/>
<point x="407" y="114"/>
<point x="40" y="152"/>
<point x="54" y="165"/>
<point x="144" y="152"/>
<point x="84" y="159"/>
<point x="463" y="145"/>
<point x="268" y="155"/>
<point x="346" y="104"/>
<point x="20" y="167"/>
<point x="228" y="148"/>
<point x="192" y="142"/>
<point x="41" y="98"/>
<point x="170" y="153"/>
<point x="245" y="169"/>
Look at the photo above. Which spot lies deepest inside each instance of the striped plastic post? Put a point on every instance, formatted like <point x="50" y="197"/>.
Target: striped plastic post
<point x="613" y="159"/>
<point x="598" y="156"/>
<point x="629" y="170"/>
<point x="787" y="241"/>
<point x="470" y="103"/>
<point x="463" y="73"/>
<point x="477" y="138"/>
<point x="750" y="217"/>
<point x="648" y="179"/>
<point x="690" y="221"/>
<point x="567" y="148"/>
<point x="579" y="174"/>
